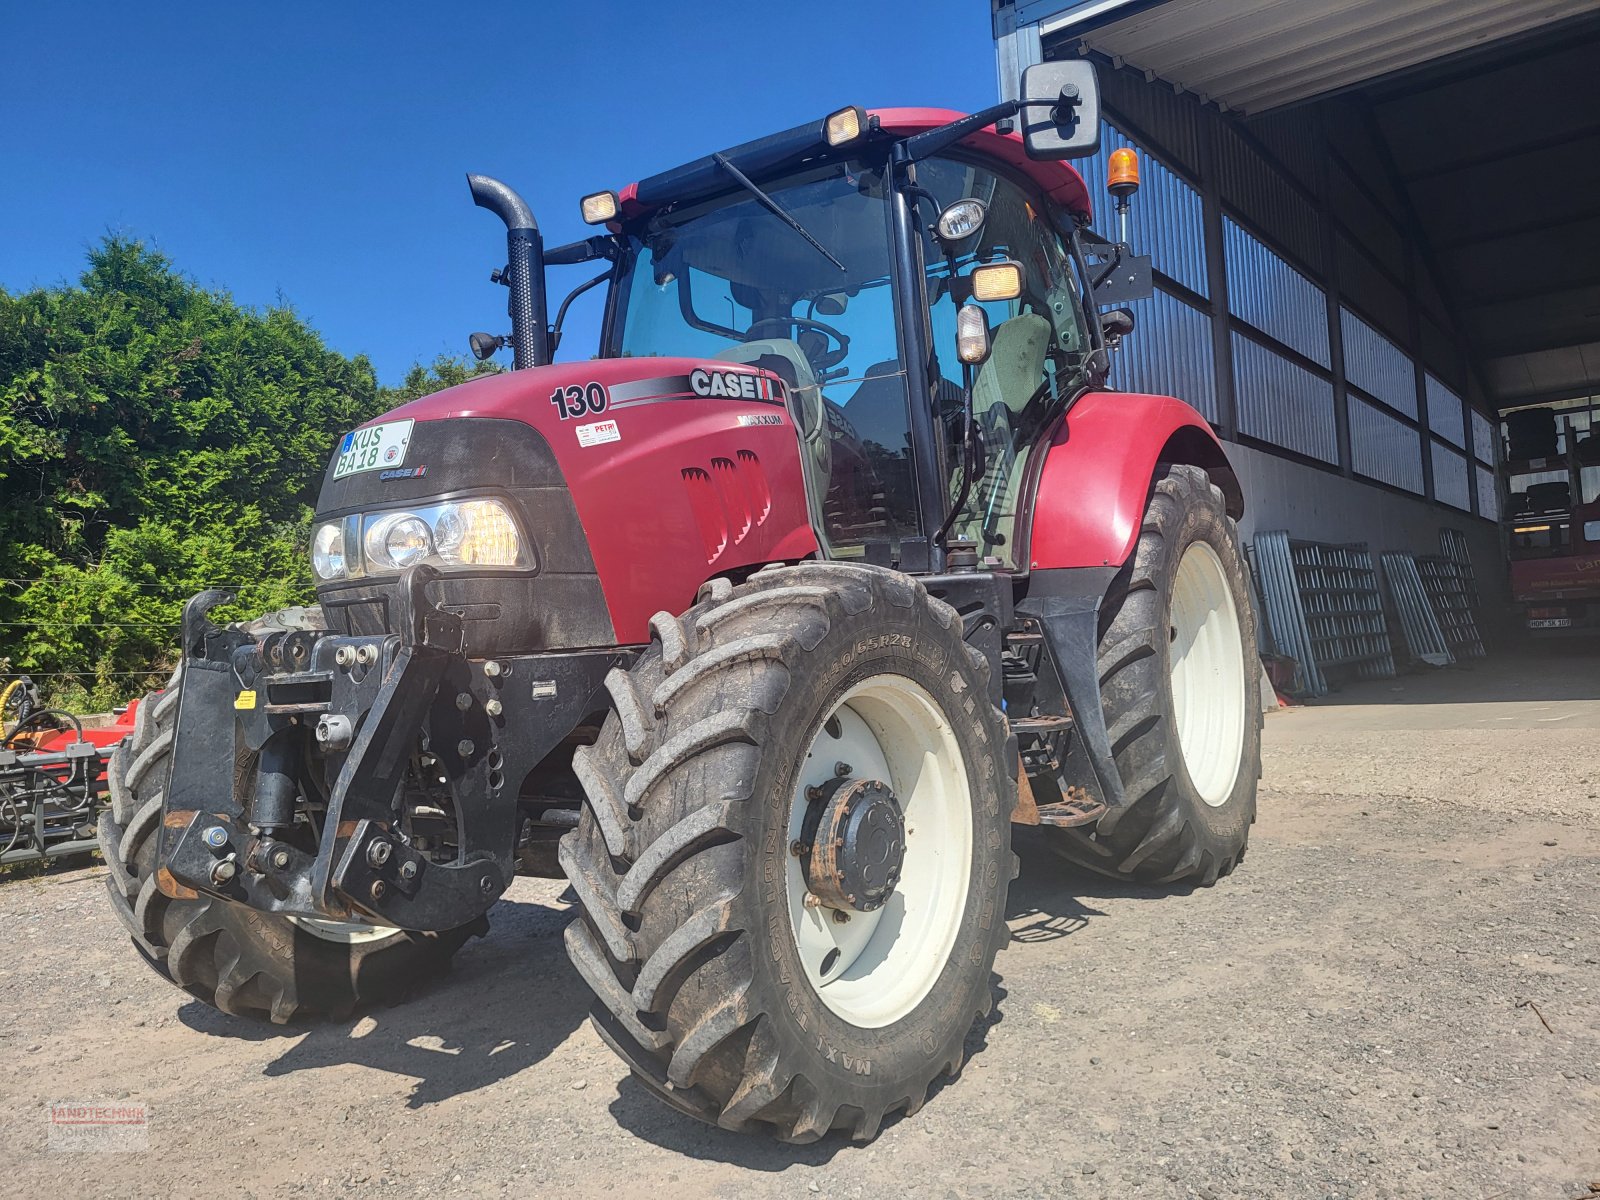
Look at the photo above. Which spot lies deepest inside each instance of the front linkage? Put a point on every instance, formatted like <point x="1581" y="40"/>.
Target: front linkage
<point x="399" y="739"/>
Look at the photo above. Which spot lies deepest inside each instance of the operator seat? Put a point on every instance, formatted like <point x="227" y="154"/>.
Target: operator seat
<point x="1006" y="382"/>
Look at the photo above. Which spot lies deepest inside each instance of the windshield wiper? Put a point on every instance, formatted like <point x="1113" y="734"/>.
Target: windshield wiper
<point x="775" y="208"/>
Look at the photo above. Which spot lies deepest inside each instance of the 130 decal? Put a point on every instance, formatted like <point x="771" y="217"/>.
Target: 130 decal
<point x="575" y="401"/>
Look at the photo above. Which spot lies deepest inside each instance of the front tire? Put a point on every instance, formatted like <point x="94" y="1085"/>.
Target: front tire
<point x="234" y="958"/>
<point x="729" y="996"/>
<point x="1181" y="688"/>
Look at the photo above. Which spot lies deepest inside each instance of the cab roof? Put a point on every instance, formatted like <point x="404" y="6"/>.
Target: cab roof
<point x="1059" y="181"/>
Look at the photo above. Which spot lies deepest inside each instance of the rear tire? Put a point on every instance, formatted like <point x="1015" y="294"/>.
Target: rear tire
<point x="702" y="959"/>
<point x="1181" y="687"/>
<point x="234" y="958"/>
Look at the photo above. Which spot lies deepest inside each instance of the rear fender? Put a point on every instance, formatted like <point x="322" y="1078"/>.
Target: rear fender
<point x="1098" y="469"/>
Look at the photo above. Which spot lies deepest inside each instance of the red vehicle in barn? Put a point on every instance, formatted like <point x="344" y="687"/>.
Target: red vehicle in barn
<point x="761" y="628"/>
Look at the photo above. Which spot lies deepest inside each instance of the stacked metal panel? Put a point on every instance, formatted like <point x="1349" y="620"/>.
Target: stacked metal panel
<point x="1344" y="608"/>
<point x="1453" y="544"/>
<point x="1280" y="596"/>
<point x="1449" y="594"/>
<point x="1423" y="636"/>
<point x="1323" y="606"/>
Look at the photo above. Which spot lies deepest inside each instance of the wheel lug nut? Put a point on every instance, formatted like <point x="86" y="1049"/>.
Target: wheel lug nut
<point x="840" y="917"/>
<point x="797" y="848"/>
<point x="493" y="708"/>
<point x="841" y="769"/>
<point x="813" y="900"/>
<point x="493" y="669"/>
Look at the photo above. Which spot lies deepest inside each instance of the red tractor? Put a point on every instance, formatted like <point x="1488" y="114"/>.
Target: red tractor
<point x="761" y="628"/>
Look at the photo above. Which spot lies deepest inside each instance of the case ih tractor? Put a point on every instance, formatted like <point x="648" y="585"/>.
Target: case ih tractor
<point x="762" y="629"/>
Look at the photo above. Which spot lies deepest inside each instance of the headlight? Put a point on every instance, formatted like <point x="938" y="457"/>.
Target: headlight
<point x="397" y="541"/>
<point x="327" y="551"/>
<point x="463" y="533"/>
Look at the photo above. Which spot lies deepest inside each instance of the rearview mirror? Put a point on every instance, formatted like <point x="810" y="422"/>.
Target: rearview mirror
<point x="1060" y="115"/>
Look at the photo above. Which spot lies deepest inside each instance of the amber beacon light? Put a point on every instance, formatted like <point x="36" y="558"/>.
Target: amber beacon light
<point x="1122" y="181"/>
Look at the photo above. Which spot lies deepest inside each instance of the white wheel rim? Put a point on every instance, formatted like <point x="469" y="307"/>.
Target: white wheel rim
<point x="348" y="933"/>
<point x="1208" y="665"/>
<point x="875" y="968"/>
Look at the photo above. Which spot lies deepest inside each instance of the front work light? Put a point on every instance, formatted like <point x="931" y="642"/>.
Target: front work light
<point x="600" y="208"/>
<point x="844" y="126"/>
<point x="961" y="220"/>
<point x="996" y="281"/>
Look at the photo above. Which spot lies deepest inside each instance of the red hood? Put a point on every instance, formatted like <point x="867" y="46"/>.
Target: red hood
<point x="520" y="395"/>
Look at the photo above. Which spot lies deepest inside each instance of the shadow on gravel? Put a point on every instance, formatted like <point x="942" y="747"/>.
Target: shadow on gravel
<point x="1050" y="896"/>
<point x="510" y="1001"/>
<point x="638" y="1111"/>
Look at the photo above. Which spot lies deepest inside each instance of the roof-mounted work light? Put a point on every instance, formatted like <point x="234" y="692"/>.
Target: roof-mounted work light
<point x="600" y="208"/>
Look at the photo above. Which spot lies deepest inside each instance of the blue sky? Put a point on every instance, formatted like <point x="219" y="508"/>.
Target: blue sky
<point x="316" y="153"/>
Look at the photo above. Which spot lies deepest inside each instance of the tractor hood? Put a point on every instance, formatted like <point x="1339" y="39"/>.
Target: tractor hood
<point x="632" y="482"/>
<point x="569" y="395"/>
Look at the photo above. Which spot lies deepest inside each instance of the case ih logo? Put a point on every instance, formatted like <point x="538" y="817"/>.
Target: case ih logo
<point x="730" y="383"/>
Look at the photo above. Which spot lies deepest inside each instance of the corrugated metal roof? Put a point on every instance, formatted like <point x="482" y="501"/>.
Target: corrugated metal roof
<point x="1255" y="55"/>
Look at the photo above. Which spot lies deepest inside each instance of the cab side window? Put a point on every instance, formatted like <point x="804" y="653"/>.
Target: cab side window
<point x="1038" y="345"/>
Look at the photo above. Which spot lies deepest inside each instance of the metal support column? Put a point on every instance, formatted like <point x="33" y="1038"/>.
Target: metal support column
<point x="1217" y="283"/>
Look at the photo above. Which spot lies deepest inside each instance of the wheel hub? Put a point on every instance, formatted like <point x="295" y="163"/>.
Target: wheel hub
<point x="853" y="844"/>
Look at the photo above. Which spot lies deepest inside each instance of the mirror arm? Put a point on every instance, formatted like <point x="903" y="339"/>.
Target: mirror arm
<point x="561" y="313"/>
<point x="930" y="142"/>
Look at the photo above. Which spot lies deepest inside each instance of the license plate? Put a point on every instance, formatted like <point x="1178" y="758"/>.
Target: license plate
<point x="374" y="447"/>
<point x="1550" y="623"/>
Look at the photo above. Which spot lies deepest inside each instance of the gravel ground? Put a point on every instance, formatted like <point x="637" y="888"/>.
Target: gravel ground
<point x="1397" y="995"/>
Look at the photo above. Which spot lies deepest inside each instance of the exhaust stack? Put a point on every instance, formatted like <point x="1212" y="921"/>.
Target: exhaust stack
<point x="530" y="341"/>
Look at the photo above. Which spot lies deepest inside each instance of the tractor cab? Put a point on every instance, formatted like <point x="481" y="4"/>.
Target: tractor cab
<point x="916" y="280"/>
<point x="810" y="289"/>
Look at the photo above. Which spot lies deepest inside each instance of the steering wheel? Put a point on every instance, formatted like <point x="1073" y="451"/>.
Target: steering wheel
<point x="822" y="361"/>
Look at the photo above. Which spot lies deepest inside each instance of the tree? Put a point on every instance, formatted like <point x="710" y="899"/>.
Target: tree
<point x="157" y="438"/>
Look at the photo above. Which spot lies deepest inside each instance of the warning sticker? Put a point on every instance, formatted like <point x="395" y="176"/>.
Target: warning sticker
<point x="245" y="699"/>
<point x="598" y="432"/>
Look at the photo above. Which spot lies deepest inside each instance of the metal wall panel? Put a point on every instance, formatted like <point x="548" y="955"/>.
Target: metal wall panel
<point x="1172" y="121"/>
<point x="1451" y="484"/>
<point x="1370" y="223"/>
<point x="1293" y="137"/>
<point x="1264" y="196"/>
<point x="1373" y="292"/>
<point x="1384" y="448"/>
<point x="1283" y="403"/>
<point x="1376" y="365"/>
<point x="1488" y="496"/>
<point x="1166" y="221"/>
<point x="1169" y="354"/>
<point x="1268" y="293"/>
<point x="1483" y="438"/>
<point x="1440" y="353"/>
<point x="1445" y="412"/>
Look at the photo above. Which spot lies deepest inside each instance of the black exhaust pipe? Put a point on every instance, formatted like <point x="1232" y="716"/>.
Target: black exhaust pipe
<point x="530" y="339"/>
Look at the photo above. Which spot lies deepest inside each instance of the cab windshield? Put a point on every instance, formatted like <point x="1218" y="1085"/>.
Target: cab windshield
<point x="728" y="279"/>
